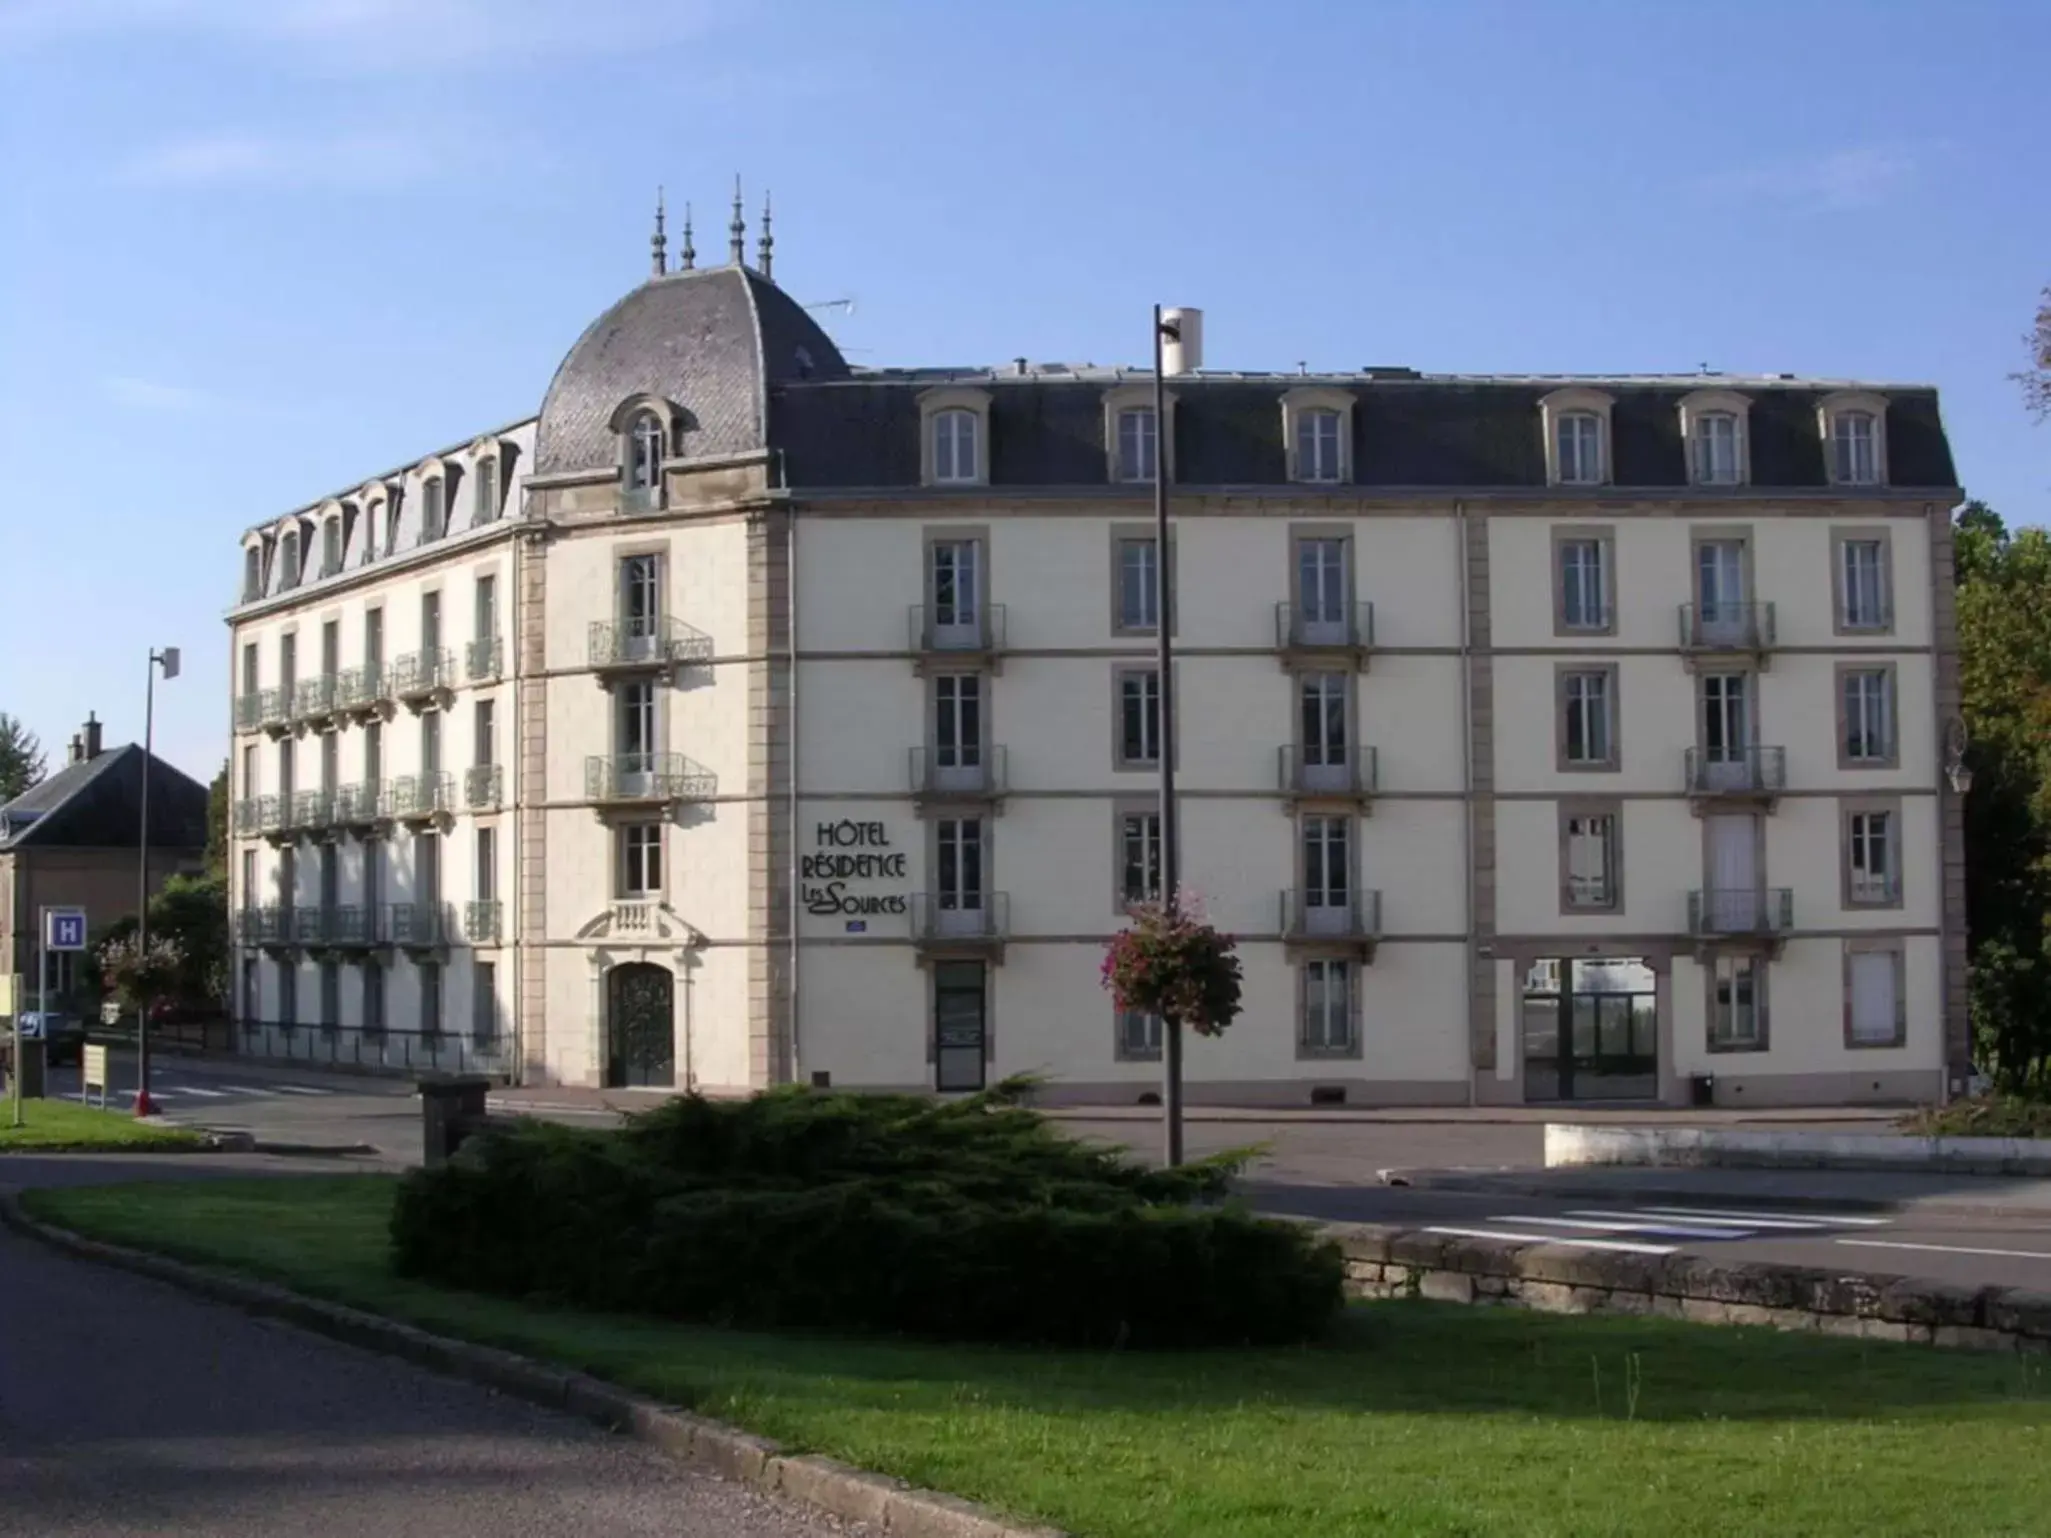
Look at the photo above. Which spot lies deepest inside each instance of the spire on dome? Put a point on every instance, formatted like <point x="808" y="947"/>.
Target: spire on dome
<point x="659" y="245"/>
<point x="688" y="257"/>
<point x="768" y="244"/>
<point x="737" y="232"/>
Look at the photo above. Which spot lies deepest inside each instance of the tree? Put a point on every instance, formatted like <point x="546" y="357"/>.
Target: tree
<point x="2036" y="379"/>
<point x="191" y="913"/>
<point x="1172" y="964"/>
<point x="140" y="972"/>
<point x="217" y="824"/>
<point x="21" y="758"/>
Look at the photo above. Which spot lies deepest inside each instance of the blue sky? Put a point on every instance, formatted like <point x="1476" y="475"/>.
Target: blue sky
<point x="254" y="250"/>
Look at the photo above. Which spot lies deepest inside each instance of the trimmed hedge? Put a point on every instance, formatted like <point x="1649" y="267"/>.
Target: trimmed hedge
<point x="968" y="1220"/>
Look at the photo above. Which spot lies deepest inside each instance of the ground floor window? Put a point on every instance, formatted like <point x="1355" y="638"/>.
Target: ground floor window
<point x="430" y="1001"/>
<point x="374" y="1000"/>
<point x="330" y="998"/>
<point x="288" y="995"/>
<point x="1591" y="1029"/>
<point x="1874" y="1016"/>
<point x="960" y="1025"/>
<point x="484" y="1003"/>
<point x="1737" y="1004"/>
<point x="1327" y="1006"/>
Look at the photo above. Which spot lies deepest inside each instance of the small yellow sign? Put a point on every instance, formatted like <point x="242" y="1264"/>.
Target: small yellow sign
<point x="10" y="989"/>
<point x="93" y="1073"/>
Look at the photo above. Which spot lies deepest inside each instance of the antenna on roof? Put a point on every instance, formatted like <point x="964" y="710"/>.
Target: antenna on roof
<point x="845" y="306"/>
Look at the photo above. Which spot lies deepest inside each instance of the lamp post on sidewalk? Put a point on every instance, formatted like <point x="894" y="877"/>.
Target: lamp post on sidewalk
<point x="167" y="659"/>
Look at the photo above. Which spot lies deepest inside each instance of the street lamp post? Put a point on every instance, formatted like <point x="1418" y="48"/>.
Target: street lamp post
<point x="167" y="659"/>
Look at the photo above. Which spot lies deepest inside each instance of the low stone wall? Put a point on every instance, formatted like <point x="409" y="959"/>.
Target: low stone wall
<point x="1569" y="1145"/>
<point x="1395" y="1263"/>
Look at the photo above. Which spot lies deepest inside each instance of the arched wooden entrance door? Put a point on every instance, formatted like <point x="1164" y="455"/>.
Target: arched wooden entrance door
<point x="640" y="1026"/>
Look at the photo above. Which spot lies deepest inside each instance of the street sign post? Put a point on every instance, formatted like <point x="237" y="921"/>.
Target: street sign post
<point x="63" y="930"/>
<point x="10" y="1005"/>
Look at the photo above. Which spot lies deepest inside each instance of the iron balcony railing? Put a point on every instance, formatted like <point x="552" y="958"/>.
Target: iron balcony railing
<point x="337" y="925"/>
<point x="482" y="786"/>
<point x="1345" y="627"/>
<point x="1309" y="915"/>
<point x="273" y="813"/>
<point x="362" y="688"/>
<point x="313" y="810"/>
<point x="1357" y="776"/>
<point x="419" y="674"/>
<point x="265" y="924"/>
<point x="246" y="815"/>
<point x="647" y="777"/>
<point x="937" y="776"/>
<point x="314" y="698"/>
<point x="417" y="797"/>
<point x="1736" y="772"/>
<point x="482" y="659"/>
<point x="935" y="630"/>
<point x="481" y="920"/>
<point x="1766" y="911"/>
<point x="418" y="925"/>
<point x="954" y="918"/>
<point x="359" y="804"/>
<point x="249" y="710"/>
<point x="645" y="641"/>
<point x="1711" y="627"/>
<point x="274" y="707"/>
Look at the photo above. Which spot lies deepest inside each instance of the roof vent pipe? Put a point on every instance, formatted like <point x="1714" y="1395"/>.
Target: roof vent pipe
<point x="92" y="736"/>
<point x="1182" y="341"/>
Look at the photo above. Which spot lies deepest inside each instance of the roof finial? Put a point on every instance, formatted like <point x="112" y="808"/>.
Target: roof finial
<point x="659" y="244"/>
<point x="768" y="240"/>
<point x="688" y="257"/>
<point x="738" y="230"/>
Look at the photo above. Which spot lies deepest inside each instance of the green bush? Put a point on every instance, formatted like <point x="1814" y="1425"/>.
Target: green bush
<point x="967" y="1220"/>
<point x="1993" y="1115"/>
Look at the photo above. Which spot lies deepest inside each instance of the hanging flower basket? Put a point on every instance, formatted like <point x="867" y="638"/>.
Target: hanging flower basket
<point x="1172" y="964"/>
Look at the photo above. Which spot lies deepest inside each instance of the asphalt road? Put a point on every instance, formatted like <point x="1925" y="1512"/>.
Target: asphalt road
<point x="127" y="1408"/>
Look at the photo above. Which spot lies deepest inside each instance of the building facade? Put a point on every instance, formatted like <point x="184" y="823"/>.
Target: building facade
<point x="748" y="717"/>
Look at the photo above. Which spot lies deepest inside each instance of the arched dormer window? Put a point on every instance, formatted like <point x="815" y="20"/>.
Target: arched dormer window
<point x="331" y="546"/>
<point x="434" y="513"/>
<point x="1854" y="428"/>
<point x="1577" y="437"/>
<point x="956" y="453"/>
<point x="954" y="427"/>
<point x="1713" y="426"/>
<point x="288" y="561"/>
<point x="644" y="453"/>
<point x="1317" y="434"/>
<point x="394" y="507"/>
<point x="1132" y="438"/>
<point x="252" y="574"/>
<point x="487" y="488"/>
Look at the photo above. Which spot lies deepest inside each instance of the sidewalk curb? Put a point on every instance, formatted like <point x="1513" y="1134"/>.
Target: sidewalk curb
<point x="889" y="1505"/>
<point x="1482" y="1184"/>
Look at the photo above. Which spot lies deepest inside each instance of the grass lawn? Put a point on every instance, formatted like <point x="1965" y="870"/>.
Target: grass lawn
<point x="1416" y="1419"/>
<point x="63" y="1126"/>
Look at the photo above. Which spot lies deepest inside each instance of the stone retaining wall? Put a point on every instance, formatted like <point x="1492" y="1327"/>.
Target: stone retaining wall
<point x="1393" y="1263"/>
<point x="1571" y="1145"/>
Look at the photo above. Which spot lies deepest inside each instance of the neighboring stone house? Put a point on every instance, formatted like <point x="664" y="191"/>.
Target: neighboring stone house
<point x="72" y="842"/>
<point x="749" y="716"/>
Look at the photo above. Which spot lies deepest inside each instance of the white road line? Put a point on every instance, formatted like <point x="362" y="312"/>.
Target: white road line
<point x="1945" y="1249"/>
<point x="298" y="1089"/>
<point x="1583" y="1244"/>
<point x="1771" y="1219"/>
<point x="1665" y="1230"/>
<point x="194" y="1089"/>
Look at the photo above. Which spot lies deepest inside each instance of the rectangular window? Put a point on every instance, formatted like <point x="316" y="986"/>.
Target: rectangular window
<point x="1580" y="449"/>
<point x="1322" y="733"/>
<point x="373" y="752"/>
<point x="957" y="586"/>
<point x="1716" y="449"/>
<point x="1592" y="863"/>
<point x="430" y="624"/>
<point x="1584" y="584"/>
<point x="1136" y="440"/>
<point x="637" y="736"/>
<point x="1863" y="599"/>
<point x="1139" y="585"/>
<point x="1868" y="716"/>
<point x="330" y="998"/>
<point x="330" y="761"/>
<point x="331" y="547"/>
<point x="285" y="781"/>
<point x="288" y="994"/>
<point x="484" y="733"/>
<point x="1726" y="717"/>
<point x="487" y="865"/>
<point x="641" y="859"/>
<point x="487" y="607"/>
<point x="1323" y="590"/>
<point x="287" y="876"/>
<point x="330" y="879"/>
<point x="958" y="842"/>
<point x="487" y="490"/>
<point x="252" y="998"/>
<point x="1317" y="445"/>
<point x="1588" y="727"/>
<point x="1327" y="1006"/>
<point x="288" y="662"/>
<point x="640" y="599"/>
<point x="1139" y="1036"/>
<point x="954" y="447"/>
<point x="430" y="1001"/>
<point x="1139" y="718"/>
<point x="1736" y="1013"/>
<point x="958" y="720"/>
<point x="430" y="746"/>
<point x="1853" y="461"/>
<point x="249" y="893"/>
<point x="249" y="785"/>
<point x="249" y="668"/>
<point x="331" y="648"/>
<point x="484" y="1002"/>
<point x="1873" y="869"/>
<point x="1139" y="857"/>
<point x="431" y="517"/>
<point x="1327" y="871"/>
<point x="374" y="637"/>
<point x="961" y="1025"/>
<point x="373" y="999"/>
<point x="1873" y="1011"/>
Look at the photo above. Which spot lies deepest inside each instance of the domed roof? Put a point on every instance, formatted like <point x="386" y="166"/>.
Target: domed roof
<point x="711" y="340"/>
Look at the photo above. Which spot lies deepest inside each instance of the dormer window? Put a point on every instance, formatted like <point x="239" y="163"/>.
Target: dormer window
<point x="1855" y="449"/>
<point x="252" y="574"/>
<point x="955" y="451"/>
<point x="392" y="510"/>
<point x="487" y="489"/>
<point x="433" y="514"/>
<point x="1138" y="442"/>
<point x="1713" y="427"/>
<point x="644" y="453"/>
<point x="1317" y="425"/>
<point x="1577" y="437"/>
<point x="331" y="547"/>
<point x="288" y="559"/>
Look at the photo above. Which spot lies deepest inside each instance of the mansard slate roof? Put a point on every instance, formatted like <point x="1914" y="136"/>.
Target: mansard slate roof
<point x="1047" y="428"/>
<point x="97" y="804"/>
<point x="710" y="340"/>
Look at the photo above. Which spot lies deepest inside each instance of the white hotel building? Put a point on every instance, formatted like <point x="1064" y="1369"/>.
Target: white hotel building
<point x="748" y="717"/>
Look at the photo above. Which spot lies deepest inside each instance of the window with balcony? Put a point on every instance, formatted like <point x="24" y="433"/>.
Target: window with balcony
<point x="252" y="996"/>
<point x="484" y="1003"/>
<point x="486" y="607"/>
<point x="957" y="722"/>
<point x="373" y="999"/>
<point x="1588" y="718"/>
<point x="1737" y="1003"/>
<point x="487" y="865"/>
<point x="1874" y="1012"/>
<point x="1139" y="857"/>
<point x="959" y="859"/>
<point x="251" y="677"/>
<point x="1865" y="601"/>
<point x="288" y="994"/>
<point x="1324" y="732"/>
<point x="373" y="752"/>
<point x="330" y="998"/>
<point x="374" y="638"/>
<point x="430" y="1001"/>
<point x="640" y="604"/>
<point x="1326" y="1026"/>
<point x="955" y="583"/>
<point x="1866" y="725"/>
<point x="640" y="860"/>
<point x="1327" y="874"/>
<point x="1591" y="859"/>
<point x="1583" y="595"/>
<point x="957" y="457"/>
<point x="1137" y="443"/>
<point x="1872" y="858"/>
<point x="1137" y="585"/>
<point x="1139" y="718"/>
